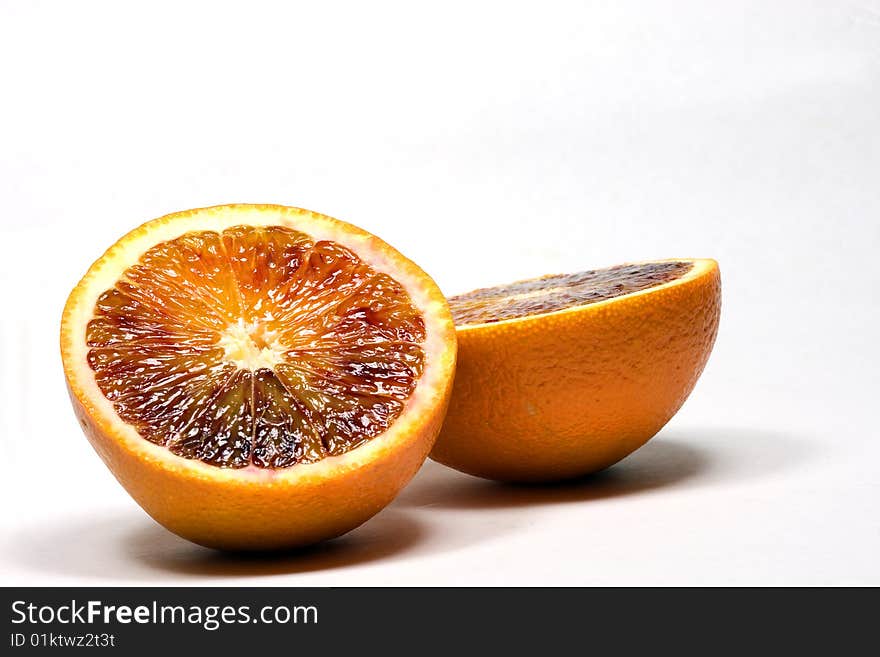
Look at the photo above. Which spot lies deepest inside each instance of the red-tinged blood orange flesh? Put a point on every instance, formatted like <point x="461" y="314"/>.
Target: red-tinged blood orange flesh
<point x="258" y="376"/>
<point x="564" y="375"/>
<point x="255" y="346"/>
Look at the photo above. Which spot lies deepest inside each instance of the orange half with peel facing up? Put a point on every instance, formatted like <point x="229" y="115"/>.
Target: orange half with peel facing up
<point x="258" y="376"/>
<point x="565" y="375"/>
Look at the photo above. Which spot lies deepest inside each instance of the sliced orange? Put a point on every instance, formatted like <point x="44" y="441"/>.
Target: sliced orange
<point x="258" y="376"/>
<point x="565" y="375"/>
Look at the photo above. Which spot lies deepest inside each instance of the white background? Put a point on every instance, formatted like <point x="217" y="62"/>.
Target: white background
<point x="488" y="143"/>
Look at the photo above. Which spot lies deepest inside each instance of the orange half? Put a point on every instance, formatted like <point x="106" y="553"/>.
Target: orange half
<point x="258" y="376"/>
<point x="564" y="375"/>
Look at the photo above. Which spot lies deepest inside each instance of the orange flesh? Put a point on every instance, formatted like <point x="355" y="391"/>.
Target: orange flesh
<point x="551" y="293"/>
<point x="256" y="346"/>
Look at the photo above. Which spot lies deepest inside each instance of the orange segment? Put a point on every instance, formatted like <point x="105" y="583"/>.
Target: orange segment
<point x="209" y="346"/>
<point x="564" y="375"/>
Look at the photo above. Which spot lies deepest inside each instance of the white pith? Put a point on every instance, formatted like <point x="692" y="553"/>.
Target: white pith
<point x="251" y="345"/>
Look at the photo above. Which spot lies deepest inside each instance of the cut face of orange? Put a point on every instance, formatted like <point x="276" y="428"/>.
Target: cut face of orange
<point x="550" y="293"/>
<point x="256" y="346"/>
<point x="258" y="376"/>
<point x="564" y="375"/>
